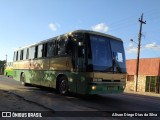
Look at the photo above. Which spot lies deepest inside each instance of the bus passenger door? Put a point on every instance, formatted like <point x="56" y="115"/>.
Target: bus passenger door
<point x="79" y="67"/>
<point x="78" y="64"/>
<point x="74" y="75"/>
<point x="81" y="81"/>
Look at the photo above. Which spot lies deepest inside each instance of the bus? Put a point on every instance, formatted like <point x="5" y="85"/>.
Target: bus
<point x="81" y="61"/>
<point x="8" y="71"/>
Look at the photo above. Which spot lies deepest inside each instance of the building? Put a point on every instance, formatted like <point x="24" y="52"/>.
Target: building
<point x="148" y="75"/>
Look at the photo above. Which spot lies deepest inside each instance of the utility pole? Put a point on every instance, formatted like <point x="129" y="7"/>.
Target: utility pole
<point x="138" y="51"/>
<point x="6" y="58"/>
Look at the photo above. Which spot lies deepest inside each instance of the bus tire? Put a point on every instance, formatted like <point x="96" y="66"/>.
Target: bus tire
<point x="63" y="85"/>
<point x="23" y="79"/>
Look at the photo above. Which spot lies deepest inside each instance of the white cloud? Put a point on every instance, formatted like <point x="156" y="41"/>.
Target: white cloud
<point x="53" y="26"/>
<point x="101" y="27"/>
<point x="130" y="45"/>
<point x="152" y="46"/>
<point x="132" y="50"/>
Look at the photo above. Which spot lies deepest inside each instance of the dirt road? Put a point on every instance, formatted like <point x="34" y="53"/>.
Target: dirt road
<point x="10" y="102"/>
<point x="15" y="97"/>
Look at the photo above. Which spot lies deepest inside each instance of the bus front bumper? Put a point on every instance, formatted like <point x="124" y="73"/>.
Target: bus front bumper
<point x="97" y="88"/>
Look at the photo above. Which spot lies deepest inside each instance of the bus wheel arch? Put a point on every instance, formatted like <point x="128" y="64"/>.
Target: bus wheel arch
<point x="23" y="79"/>
<point x="62" y="84"/>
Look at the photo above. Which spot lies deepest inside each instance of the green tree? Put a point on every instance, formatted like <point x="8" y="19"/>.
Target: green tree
<point x="2" y="66"/>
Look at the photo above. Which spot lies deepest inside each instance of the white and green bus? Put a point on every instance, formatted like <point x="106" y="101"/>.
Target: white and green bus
<point x="82" y="61"/>
<point x="8" y="71"/>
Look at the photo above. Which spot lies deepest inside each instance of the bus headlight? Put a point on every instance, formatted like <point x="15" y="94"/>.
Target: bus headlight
<point x="97" y="79"/>
<point x="93" y="87"/>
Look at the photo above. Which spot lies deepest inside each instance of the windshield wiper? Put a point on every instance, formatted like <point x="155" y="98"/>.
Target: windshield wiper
<point x="115" y="64"/>
<point x="109" y="69"/>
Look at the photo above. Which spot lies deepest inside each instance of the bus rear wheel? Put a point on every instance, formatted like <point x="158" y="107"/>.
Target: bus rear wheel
<point x="63" y="85"/>
<point x="23" y="79"/>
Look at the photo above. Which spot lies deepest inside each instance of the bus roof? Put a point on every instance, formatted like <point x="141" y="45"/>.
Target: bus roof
<point x="96" y="33"/>
<point x="75" y="31"/>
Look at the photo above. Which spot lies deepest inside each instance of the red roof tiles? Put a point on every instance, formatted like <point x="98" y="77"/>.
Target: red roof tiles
<point x="147" y="66"/>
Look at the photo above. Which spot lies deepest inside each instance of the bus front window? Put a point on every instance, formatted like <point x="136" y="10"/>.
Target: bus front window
<point x="101" y="53"/>
<point x="118" y="55"/>
<point x="107" y="54"/>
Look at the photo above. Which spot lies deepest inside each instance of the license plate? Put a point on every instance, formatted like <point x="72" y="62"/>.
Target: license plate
<point x="110" y="88"/>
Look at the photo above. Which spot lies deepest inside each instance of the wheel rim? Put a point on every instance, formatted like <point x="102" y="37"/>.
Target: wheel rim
<point x="63" y="86"/>
<point x="23" y="79"/>
<point x="22" y="82"/>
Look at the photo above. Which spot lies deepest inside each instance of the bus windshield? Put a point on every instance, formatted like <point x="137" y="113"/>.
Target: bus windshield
<point x="107" y="54"/>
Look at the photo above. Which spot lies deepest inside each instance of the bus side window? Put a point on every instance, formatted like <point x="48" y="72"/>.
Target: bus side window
<point x="36" y="52"/>
<point x="32" y="52"/>
<point x="61" y="46"/>
<point x="56" y="48"/>
<point x="24" y="54"/>
<point x="21" y="55"/>
<point x="44" y="50"/>
<point x="50" y="49"/>
<point x="17" y="56"/>
<point x="40" y="48"/>
<point x="69" y="45"/>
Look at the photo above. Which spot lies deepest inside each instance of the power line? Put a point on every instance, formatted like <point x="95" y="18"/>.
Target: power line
<point x="117" y="25"/>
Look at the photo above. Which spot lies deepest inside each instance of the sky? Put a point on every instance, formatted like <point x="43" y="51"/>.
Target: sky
<point x="24" y="22"/>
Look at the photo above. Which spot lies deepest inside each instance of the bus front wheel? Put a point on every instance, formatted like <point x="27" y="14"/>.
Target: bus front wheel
<point x="63" y="85"/>
<point x="23" y="79"/>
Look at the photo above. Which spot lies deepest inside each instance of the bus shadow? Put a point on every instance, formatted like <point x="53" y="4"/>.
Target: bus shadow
<point x="88" y="97"/>
<point x="100" y="99"/>
<point x="109" y="99"/>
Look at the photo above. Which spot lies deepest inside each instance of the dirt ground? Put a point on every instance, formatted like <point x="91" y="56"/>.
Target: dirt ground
<point x="10" y="102"/>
